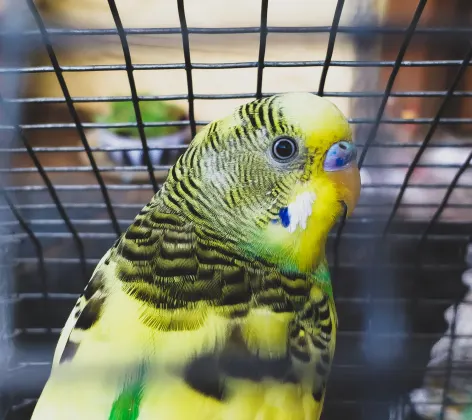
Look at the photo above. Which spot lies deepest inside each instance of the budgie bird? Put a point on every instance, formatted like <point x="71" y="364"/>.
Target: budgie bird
<point x="217" y="303"/>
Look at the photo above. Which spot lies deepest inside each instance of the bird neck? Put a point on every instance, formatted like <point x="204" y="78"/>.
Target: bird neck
<point x="322" y="277"/>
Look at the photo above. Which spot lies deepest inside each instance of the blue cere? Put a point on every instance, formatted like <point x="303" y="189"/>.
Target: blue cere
<point x="284" y="216"/>
<point x="339" y="156"/>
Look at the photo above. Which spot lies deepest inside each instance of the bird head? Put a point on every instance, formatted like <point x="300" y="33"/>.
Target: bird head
<point x="271" y="179"/>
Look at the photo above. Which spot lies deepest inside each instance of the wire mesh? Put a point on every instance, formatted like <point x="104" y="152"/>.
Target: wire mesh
<point x="397" y="262"/>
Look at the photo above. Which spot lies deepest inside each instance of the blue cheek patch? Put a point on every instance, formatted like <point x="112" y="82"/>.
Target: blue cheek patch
<point x="284" y="216"/>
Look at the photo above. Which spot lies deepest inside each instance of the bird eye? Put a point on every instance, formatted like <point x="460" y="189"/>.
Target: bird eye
<point x="284" y="148"/>
<point x="339" y="156"/>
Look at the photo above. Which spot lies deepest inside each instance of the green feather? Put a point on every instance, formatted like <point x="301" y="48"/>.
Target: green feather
<point x="322" y="278"/>
<point x="126" y="405"/>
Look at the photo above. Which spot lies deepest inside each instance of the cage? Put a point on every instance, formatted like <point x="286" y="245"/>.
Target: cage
<point x="398" y="263"/>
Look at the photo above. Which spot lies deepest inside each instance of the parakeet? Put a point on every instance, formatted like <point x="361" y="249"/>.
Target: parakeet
<point x="217" y="303"/>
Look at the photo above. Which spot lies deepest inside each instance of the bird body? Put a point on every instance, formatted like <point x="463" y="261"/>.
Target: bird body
<point x="216" y="303"/>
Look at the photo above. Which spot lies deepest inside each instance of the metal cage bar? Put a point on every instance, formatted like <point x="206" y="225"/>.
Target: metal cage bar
<point x="391" y="79"/>
<point x="38" y="229"/>
<point x="188" y="65"/>
<point x="134" y="95"/>
<point x="427" y="138"/>
<point x="70" y="106"/>
<point x="329" y="51"/>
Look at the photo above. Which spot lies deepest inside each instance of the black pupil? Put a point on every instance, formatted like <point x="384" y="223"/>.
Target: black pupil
<point x="284" y="149"/>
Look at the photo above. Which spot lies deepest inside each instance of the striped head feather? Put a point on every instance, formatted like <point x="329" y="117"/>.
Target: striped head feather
<point x="269" y="180"/>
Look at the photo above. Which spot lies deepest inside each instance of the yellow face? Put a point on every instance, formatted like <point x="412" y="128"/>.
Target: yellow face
<point x="331" y="180"/>
<point x="329" y="141"/>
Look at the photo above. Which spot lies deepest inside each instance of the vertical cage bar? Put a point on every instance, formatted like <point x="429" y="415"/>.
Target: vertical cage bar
<point x="73" y="112"/>
<point x="427" y="138"/>
<point x="332" y="39"/>
<point x="445" y="200"/>
<point x="52" y="191"/>
<point x="337" y="240"/>
<point x="134" y="93"/>
<point x="262" y="48"/>
<point x="391" y="80"/>
<point x="188" y="65"/>
<point x="37" y="246"/>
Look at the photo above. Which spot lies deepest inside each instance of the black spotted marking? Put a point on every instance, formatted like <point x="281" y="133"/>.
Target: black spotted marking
<point x="321" y="369"/>
<point x="270" y="111"/>
<point x="272" y="281"/>
<point x="157" y="300"/>
<point x="232" y="275"/>
<point x="69" y="352"/>
<point x="244" y="132"/>
<point x="133" y="277"/>
<point x="326" y="329"/>
<point x="117" y="242"/>
<point x="203" y="376"/>
<point x="235" y="294"/>
<point x="191" y="158"/>
<point x="296" y="287"/>
<point x="173" y="172"/>
<point x="256" y="369"/>
<point x="185" y="189"/>
<point x="192" y="209"/>
<point x="170" y="250"/>
<point x="206" y="273"/>
<point x="280" y="307"/>
<point x="214" y="253"/>
<point x="195" y="291"/>
<point x="90" y="314"/>
<point x="300" y="354"/>
<point x="318" y="343"/>
<point x="214" y="139"/>
<point x="309" y="313"/>
<point x="176" y="236"/>
<point x="294" y="333"/>
<point x="192" y="183"/>
<point x="211" y="256"/>
<point x="135" y="254"/>
<point x="318" y="395"/>
<point x="172" y="200"/>
<point x="325" y="358"/>
<point x="176" y="267"/>
<point x="302" y="341"/>
<point x="273" y="298"/>
<point x="212" y="127"/>
<point x="239" y="313"/>
<point x="249" y="111"/>
<point x="177" y="192"/>
<point x="324" y="315"/>
<point x="165" y="219"/>
<point x="237" y="361"/>
<point x="77" y="314"/>
<point x="261" y="116"/>
<point x="323" y="301"/>
<point x="207" y="234"/>
<point x="95" y="285"/>
<point x="136" y="234"/>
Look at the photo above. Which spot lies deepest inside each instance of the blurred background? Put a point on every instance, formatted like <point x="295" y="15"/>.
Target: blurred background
<point x="74" y="172"/>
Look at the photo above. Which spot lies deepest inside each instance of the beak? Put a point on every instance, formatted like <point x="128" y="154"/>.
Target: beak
<point x="348" y="183"/>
